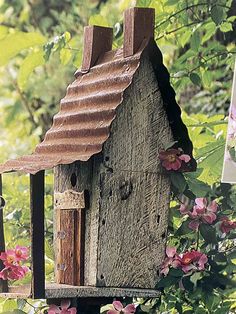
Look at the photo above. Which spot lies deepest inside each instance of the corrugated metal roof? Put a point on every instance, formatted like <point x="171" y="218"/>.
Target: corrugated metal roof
<point x="82" y="125"/>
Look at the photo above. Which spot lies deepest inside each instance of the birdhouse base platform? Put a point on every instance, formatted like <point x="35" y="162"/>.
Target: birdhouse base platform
<point x="54" y="291"/>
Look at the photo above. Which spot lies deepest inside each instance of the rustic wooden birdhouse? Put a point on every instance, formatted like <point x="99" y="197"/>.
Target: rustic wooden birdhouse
<point x="111" y="195"/>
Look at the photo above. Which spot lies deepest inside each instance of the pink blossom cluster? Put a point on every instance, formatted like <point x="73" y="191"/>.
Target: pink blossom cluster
<point x="226" y="225"/>
<point x="12" y="260"/>
<point x="118" y="308"/>
<point x="203" y="211"/>
<point x="189" y="261"/>
<point x="64" y="308"/>
<point x="174" y="159"/>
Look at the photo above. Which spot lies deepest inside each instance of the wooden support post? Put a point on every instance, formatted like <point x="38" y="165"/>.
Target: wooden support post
<point x="70" y="257"/>
<point x="3" y="283"/>
<point x="37" y="234"/>
<point x="69" y="218"/>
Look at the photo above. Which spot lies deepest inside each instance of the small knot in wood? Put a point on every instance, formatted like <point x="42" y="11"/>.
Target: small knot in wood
<point x="2" y="201"/>
<point x="61" y="235"/>
<point x="61" y="266"/>
<point x="126" y="189"/>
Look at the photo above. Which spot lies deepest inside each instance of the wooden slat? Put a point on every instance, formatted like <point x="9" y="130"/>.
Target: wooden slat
<point x="134" y="196"/>
<point x="3" y="283"/>
<point x="65" y="291"/>
<point x="37" y="234"/>
<point x="76" y="176"/>
<point x="70" y="257"/>
<point x="97" y="41"/>
<point x="66" y="244"/>
<point x="80" y="245"/>
<point x="138" y="26"/>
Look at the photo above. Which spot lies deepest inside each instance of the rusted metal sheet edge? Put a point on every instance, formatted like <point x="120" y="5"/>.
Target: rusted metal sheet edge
<point x="47" y="161"/>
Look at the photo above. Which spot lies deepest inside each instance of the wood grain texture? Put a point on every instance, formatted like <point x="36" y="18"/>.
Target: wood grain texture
<point x="138" y="26"/>
<point x="70" y="250"/>
<point x="65" y="291"/>
<point x="134" y="192"/>
<point x="69" y="200"/>
<point x="97" y="41"/>
<point x="3" y="283"/>
<point x="37" y="234"/>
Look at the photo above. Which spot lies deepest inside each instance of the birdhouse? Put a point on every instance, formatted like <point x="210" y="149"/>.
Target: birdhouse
<point x="111" y="194"/>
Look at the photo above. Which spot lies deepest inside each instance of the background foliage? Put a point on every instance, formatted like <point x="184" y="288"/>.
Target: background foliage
<point x="40" y="49"/>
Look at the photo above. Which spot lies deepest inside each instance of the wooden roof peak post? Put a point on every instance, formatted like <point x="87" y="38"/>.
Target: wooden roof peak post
<point x="139" y="25"/>
<point x="97" y="41"/>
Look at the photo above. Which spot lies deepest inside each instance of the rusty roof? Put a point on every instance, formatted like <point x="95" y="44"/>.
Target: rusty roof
<point x="82" y="125"/>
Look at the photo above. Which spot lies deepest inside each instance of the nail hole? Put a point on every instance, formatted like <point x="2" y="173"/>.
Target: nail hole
<point x="102" y="277"/>
<point x="110" y="193"/>
<point x="158" y="219"/>
<point x="107" y="158"/>
<point x="73" y="179"/>
<point x="163" y="235"/>
<point x="103" y="222"/>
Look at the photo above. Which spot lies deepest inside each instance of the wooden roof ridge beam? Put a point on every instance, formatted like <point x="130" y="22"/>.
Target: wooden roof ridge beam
<point x="139" y="24"/>
<point x="97" y="41"/>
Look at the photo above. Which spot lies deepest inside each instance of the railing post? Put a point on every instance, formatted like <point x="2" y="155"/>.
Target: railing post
<point x="3" y="283"/>
<point x="37" y="234"/>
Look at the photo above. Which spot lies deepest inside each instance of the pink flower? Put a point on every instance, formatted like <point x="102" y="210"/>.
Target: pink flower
<point x="193" y="261"/>
<point x="62" y="309"/>
<point x="203" y="211"/>
<point x="12" y="261"/>
<point x="118" y="308"/>
<point x="22" y="253"/>
<point x="184" y="209"/>
<point x="173" y="159"/>
<point x="13" y="257"/>
<point x="172" y="260"/>
<point x="227" y="225"/>
<point x="13" y="272"/>
<point x="9" y="258"/>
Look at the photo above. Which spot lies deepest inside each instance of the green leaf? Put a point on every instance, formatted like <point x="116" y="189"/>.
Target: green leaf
<point x="9" y="305"/>
<point x="207" y="78"/>
<point x="99" y="20"/>
<point x="217" y="14"/>
<point x="178" y="180"/>
<point x="195" y="41"/>
<point x="48" y="50"/>
<point x="167" y="282"/>
<point x="208" y="233"/>
<point x="183" y="229"/>
<point x="12" y="44"/>
<point x="65" y="56"/>
<point x="143" y="3"/>
<point x="197" y="187"/>
<point x="226" y="27"/>
<point x="171" y="2"/>
<point x="211" y="29"/>
<point x="169" y="145"/>
<point x="176" y="272"/>
<point x="195" y="79"/>
<point x="32" y="61"/>
<point x="184" y="38"/>
<point x="3" y="31"/>
<point x="220" y="258"/>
